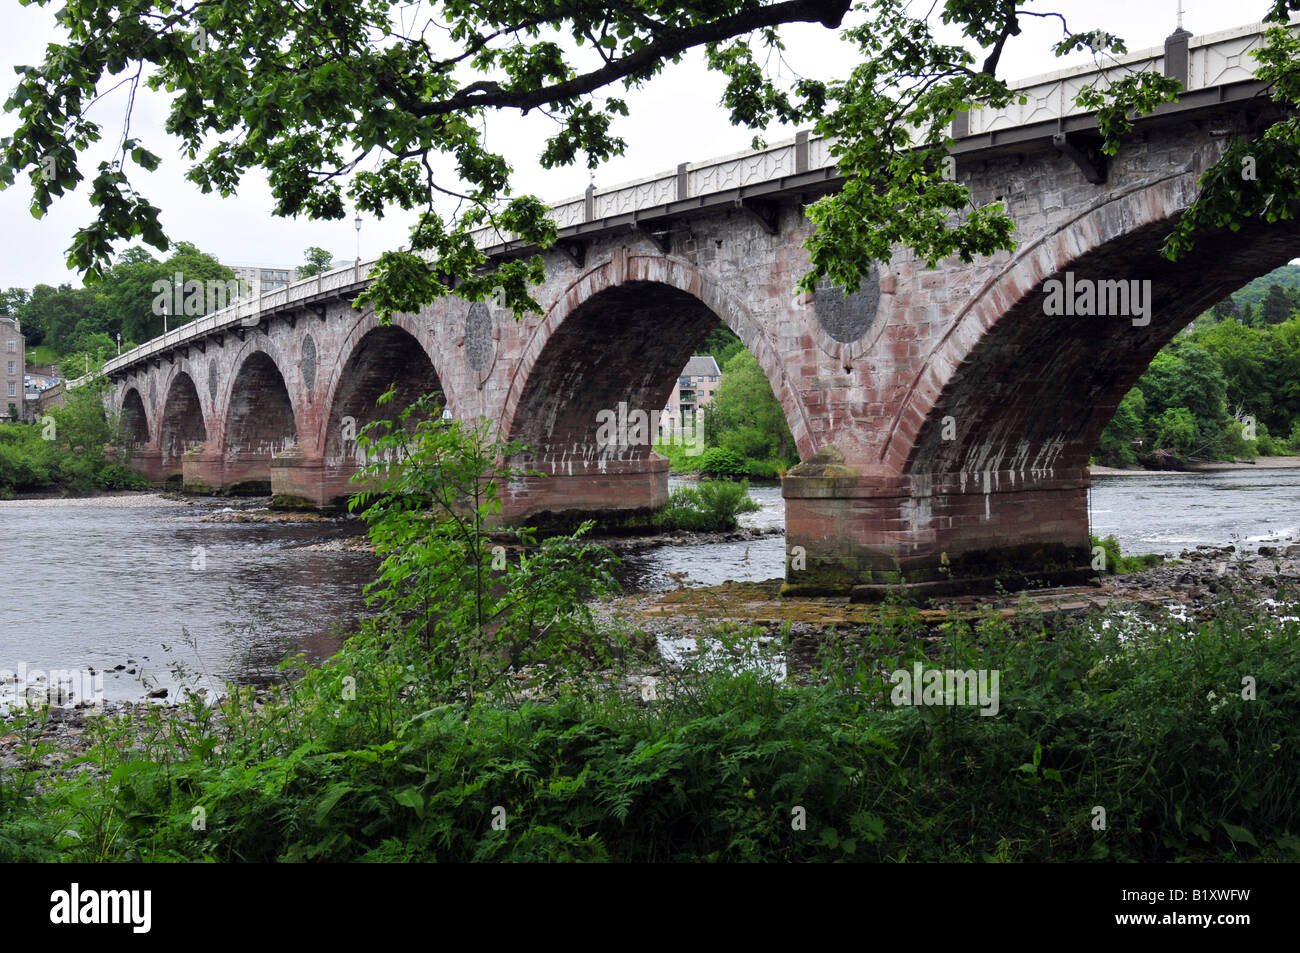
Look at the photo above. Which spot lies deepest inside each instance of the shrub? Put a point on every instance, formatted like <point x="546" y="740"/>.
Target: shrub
<point x="1116" y="562"/>
<point x="114" y="476"/>
<point x="1111" y="710"/>
<point x="711" y="506"/>
<point x="723" y="463"/>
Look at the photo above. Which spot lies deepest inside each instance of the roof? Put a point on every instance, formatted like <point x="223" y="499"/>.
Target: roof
<point x="701" y="366"/>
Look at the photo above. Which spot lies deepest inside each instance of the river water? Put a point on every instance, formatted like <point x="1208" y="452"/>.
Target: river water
<point x="151" y="584"/>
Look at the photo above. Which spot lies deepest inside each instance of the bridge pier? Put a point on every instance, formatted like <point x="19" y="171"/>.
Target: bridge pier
<point x="200" y="470"/>
<point x="565" y="493"/>
<point x="146" y="461"/>
<point x="238" y="472"/>
<point x="849" y="530"/>
<point x="298" y="478"/>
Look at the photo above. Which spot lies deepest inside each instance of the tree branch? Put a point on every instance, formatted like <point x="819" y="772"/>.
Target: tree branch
<point x="673" y="42"/>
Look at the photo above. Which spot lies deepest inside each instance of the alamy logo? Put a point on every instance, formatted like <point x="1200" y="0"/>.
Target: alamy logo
<point x="620" y="429"/>
<point x="923" y="686"/>
<point x="34" y="687"/>
<point x="76" y="906"/>
<point x="1085" y="297"/>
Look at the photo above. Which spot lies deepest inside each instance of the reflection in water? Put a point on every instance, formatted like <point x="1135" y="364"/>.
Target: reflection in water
<point x="104" y="583"/>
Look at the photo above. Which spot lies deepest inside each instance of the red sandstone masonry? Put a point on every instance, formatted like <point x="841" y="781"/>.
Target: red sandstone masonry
<point x="968" y="341"/>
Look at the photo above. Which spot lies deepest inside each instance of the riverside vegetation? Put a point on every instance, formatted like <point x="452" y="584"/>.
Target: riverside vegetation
<point x="72" y="451"/>
<point x="484" y="713"/>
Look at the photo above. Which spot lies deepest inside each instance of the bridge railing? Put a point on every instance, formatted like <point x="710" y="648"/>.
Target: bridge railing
<point x="1211" y="60"/>
<point x="1215" y="59"/>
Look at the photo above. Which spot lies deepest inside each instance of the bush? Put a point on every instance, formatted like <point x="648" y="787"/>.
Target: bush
<point x="680" y="460"/>
<point x="711" y="506"/>
<point x="1116" y="562"/>
<point x="1293" y="441"/>
<point x="453" y="608"/>
<point x="723" y="463"/>
<point x="114" y="476"/>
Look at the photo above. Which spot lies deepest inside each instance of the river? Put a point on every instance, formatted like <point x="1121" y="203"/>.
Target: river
<point x="149" y="584"/>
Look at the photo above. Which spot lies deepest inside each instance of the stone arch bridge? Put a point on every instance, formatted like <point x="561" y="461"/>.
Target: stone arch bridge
<point x="943" y="419"/>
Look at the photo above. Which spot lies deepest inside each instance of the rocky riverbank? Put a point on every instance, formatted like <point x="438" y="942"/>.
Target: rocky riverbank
<point x="1262" y="463"/>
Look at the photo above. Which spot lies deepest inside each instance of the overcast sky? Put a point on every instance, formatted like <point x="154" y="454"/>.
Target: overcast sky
<point x="675" y="118"/>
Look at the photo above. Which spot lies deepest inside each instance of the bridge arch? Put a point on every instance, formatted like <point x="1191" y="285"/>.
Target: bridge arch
<point x="373" y="358"/>
<point x="1022" y="392"/>
<point x="607" y="340"/>
<point x="260" y="421"/>
<point x="182" y="424"/>
<point x="134" y="419"/>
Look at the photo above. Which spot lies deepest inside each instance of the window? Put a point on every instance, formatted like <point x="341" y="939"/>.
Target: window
<point x="11" y="368"/>
<point x="13" y="389"/>
<point x="13" y="345"/>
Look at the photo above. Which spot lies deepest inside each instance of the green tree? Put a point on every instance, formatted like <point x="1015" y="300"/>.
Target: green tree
<point x="745" y="417"/>
<point x="318" y="261"/>
<point x="1175" y="429"/>
<point x="127" y="291"/>
<point x="721" y="344"/>
<point x="53" y="315"/>
<point x="1116" y="446"/>
<point x="1282" y="363"/>
<point x="12" y="300"/>
<point x="1186" y="375"/>
<point x="1241" y="355"/>
<point x="1278" y="305"/>
<point x="1225" y="309"/>
<point x="138" y="290"/>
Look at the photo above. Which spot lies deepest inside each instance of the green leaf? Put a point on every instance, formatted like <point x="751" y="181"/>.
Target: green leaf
<point x="1239" y="834"/>
<point x="412" y="798"/>
<point x="331" y="798"/>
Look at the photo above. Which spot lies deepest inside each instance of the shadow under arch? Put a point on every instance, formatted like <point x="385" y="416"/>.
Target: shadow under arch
<point x="653" y="278"/>
<point x="383" y="356"/>
<point x="260" y="422"/>
<point x="1035" y="391"/>
<point x="182" y="427"/>
<point x="134" y="419"/>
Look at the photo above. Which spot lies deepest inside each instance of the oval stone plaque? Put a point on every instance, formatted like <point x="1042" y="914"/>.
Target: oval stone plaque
<point x="847" y="318"/>
<point x="478" y="336"/>
<point x="309" y="362"/>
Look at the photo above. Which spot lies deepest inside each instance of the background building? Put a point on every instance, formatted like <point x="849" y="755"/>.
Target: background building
<point x="260" y="280"/>
<point x="13" y="361"/>
<point x="696" y="385"/>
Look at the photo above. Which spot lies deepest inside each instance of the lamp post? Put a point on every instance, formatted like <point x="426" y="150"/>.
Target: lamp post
<point x="358" y="224"/>
<point x="119" y="343"/>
